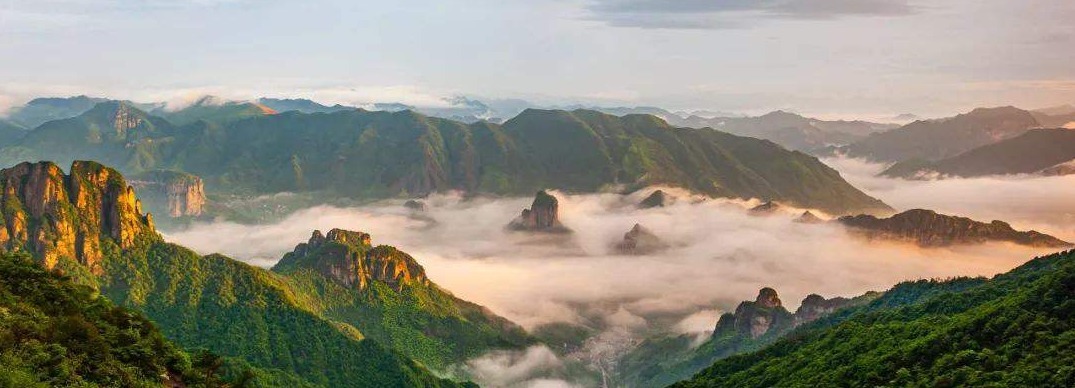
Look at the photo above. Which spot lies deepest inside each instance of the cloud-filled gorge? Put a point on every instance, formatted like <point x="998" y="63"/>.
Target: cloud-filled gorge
<point x="720" y="254"/>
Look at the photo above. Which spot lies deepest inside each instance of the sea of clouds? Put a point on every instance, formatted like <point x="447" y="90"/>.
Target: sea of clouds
<point x="721" y="254"/>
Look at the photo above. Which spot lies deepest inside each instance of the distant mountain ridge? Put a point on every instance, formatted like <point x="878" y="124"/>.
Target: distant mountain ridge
<point x="789" y="129"/>
<point x="1035" y="151"/>
<point x="930" y="140"/>
<point x="383" y="154"/>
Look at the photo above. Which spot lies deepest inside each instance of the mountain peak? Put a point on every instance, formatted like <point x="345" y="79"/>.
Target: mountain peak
<point x="767" y="297"/>
<point x="57" y="216"/>
<point x="542" y="216"/>
<point x="349" y="259"/>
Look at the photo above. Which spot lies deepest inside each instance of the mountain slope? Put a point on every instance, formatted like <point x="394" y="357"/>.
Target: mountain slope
<point x="385" y="294"/>
<point x="56" y="333"/>
<point x="89" y="225"/>
<point x="113" y="132"/>
<point x="1031" y="152"/>
<point x="938" y="139"/>
<point x="384" y="154"/>
<point x="214" y="109"/>
<point x="1017" y="329"/>
<point x="753" y="325"/>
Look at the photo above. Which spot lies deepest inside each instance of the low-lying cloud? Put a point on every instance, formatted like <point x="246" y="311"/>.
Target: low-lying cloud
<point x="1026" y="201"/>
<point x="720" y="255"/>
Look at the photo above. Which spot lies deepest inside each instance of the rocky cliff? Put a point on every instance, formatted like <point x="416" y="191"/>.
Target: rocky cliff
<point x="56" y="216"/>
<point x="767" y="315"/>
<point x="640" y="241"/>
<point x="542" y="216"/>
<point x="176" y="193"/>
<point x="927" y="228"/>
<point x="656" y="199"/>
<point x="349" y="259"/>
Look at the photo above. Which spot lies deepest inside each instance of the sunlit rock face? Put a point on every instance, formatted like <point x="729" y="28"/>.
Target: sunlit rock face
<point x="542" y="216"/>
<point x="929" y="229"/>
<point x="349" y="259"/>
<point x="54" y="216"/>
<point x="179" y="194"/>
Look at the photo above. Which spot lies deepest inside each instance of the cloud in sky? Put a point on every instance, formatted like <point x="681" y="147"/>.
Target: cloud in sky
<point x="710" y="14"/>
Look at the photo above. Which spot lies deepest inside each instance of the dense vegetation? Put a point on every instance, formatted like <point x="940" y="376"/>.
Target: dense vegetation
<point x="252" y="314"/>
<point x="54" y="332"/>
<point x="343" y="274"/>
<point x="1017" y="329"/>
<point x="363" y="154"/>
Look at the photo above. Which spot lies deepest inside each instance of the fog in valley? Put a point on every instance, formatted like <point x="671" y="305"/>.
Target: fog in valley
<point x="720" y="254"/>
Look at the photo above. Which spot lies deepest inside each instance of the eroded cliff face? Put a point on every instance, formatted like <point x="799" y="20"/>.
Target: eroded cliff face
<point x="542" y="216"/>
<point x="766" y="314"/>
<point x="349" y="259"/>
<point x="52" y="215"/>
<point x="929" y="229"/>
<point x="180" y="194"/>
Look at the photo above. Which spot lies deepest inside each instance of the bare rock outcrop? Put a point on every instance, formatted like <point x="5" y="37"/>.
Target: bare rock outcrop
<point x="54" y="216"/>
<point x="640" y="241"/>
<point x="542" y="216"/>
<point x="349" y="259"/>
<point x="178" y="193"/>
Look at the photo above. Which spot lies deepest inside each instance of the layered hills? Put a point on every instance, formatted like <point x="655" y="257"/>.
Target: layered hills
<point x="366" y="154"/>
<point x="1036" y="151"/>
<point x="930" y="140"/>
<point x="305" y="323"/>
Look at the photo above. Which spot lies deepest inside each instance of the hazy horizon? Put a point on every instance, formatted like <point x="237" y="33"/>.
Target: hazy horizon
<point x="932" y="59"/>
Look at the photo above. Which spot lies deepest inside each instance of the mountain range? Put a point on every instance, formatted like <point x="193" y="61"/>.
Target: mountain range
<point x="929" y="140"/>
<point x="1036" y="151"/>
<point x="927" y="228"/>
<point x="788" y="129"/>
<point x="338" y="311"/>
<point x="363" y="154"/>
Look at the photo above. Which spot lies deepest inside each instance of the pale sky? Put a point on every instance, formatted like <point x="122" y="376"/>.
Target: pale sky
<point x="824" y="57"/>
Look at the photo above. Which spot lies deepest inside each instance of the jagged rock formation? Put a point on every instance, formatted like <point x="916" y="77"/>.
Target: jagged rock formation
<point x="640" y="241"/>
<point x="815" y="306"/>
<point x="766" y="314"/>
<point x="755" y="318"/>
<point x="349" y="259"/>
<point x="927" y="228"/>
<point x="767" y="208"/>
<point x="809" y="218"/>
<point x="178" y="193"/>
<point x="657" y="199"/>
<point x="542" y="216"/>
<point x="55" y="216"/>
